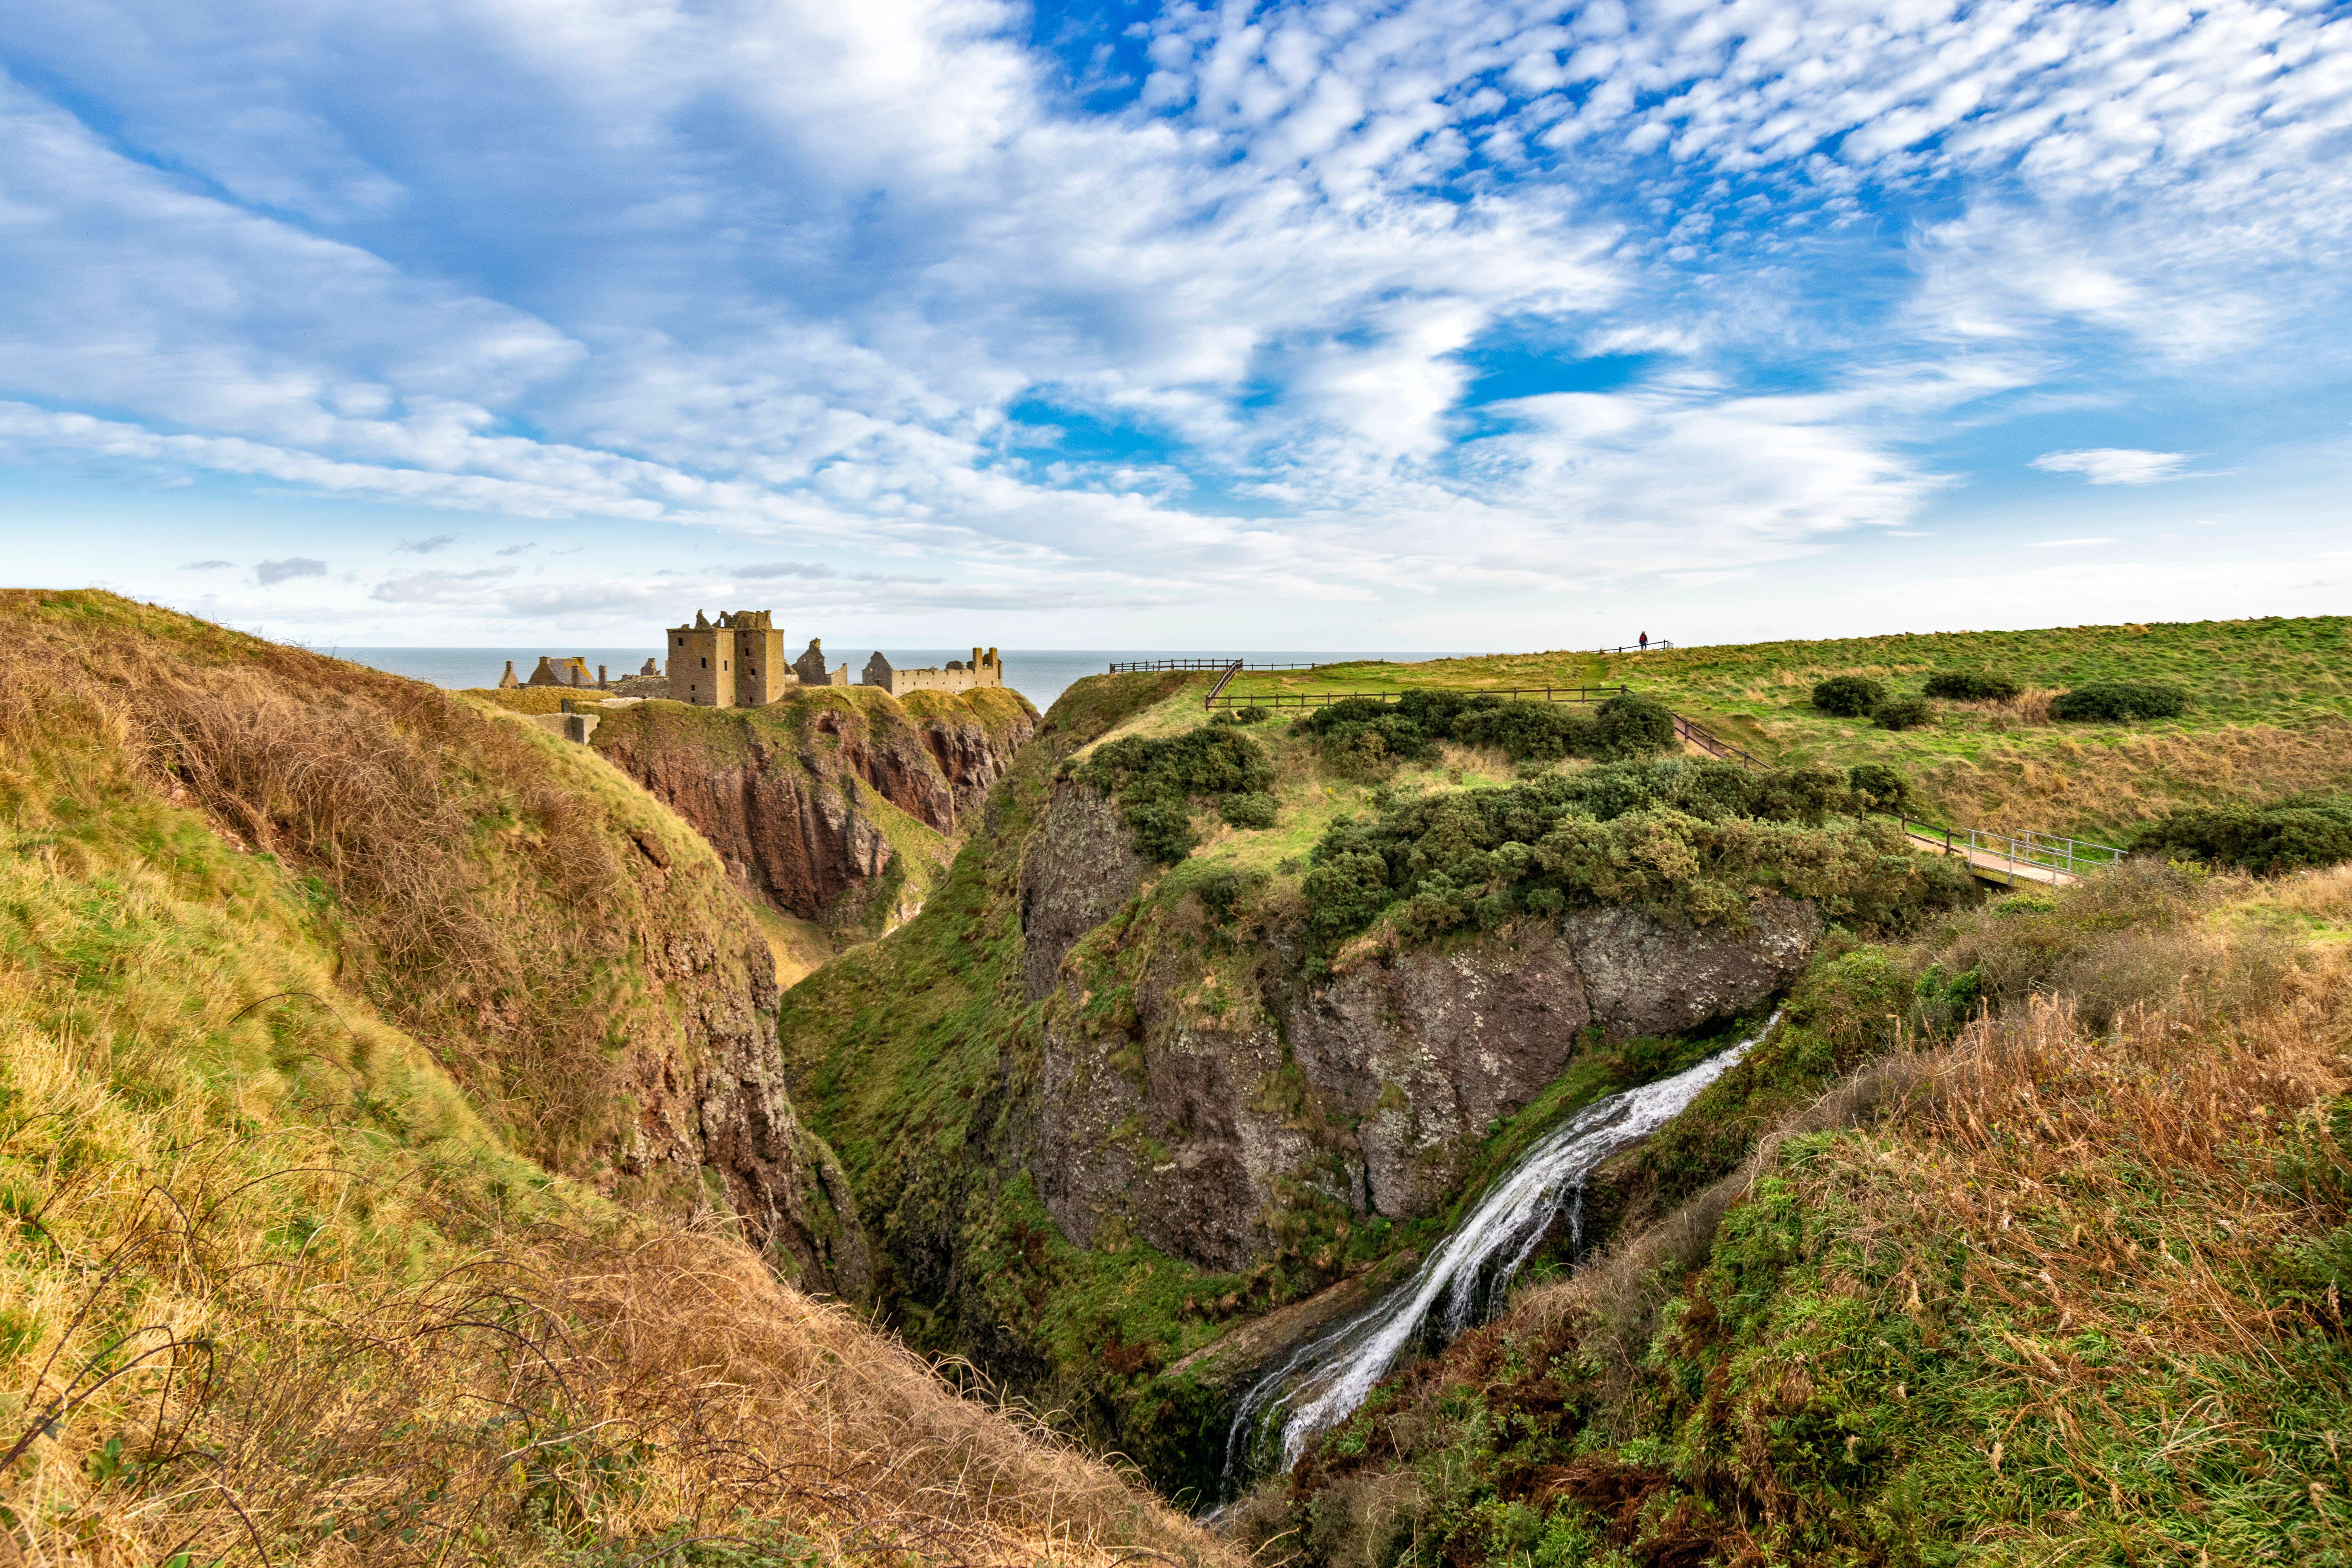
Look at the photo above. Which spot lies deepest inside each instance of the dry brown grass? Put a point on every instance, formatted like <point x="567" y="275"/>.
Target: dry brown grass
<point x="526" y="1400"/>
<point x="481" y="879"/>
<point x="2071" y="781"/>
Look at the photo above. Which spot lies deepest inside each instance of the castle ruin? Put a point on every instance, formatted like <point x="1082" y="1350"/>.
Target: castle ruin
<point x="985" y="670"/>
<point x="738" y="661"/>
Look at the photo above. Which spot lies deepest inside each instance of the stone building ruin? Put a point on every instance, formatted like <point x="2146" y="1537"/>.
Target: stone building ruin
<point x="985" y="670"/>
<point x="738" y="661"/>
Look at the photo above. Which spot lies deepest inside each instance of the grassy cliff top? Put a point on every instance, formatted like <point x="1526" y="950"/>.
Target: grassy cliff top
<point x="2270" y="711"/>
<point x="994" y="708"/>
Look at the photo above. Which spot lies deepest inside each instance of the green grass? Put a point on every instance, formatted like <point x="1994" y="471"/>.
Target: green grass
<point x="2268" y="715"/>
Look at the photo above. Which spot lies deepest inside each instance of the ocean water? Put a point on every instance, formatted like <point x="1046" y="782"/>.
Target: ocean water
<point x="1040" y="675"/>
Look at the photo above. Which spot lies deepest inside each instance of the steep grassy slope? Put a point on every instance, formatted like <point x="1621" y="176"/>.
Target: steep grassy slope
<point x="298" y="963"/>
<point x="2062" y="1286"/>
<point x="2267" y="715"/>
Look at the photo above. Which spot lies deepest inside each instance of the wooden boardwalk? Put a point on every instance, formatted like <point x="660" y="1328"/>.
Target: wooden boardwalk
<point x="1990" y="866"/>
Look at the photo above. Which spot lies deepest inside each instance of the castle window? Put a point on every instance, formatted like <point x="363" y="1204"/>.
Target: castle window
<point x="706" y="664"/>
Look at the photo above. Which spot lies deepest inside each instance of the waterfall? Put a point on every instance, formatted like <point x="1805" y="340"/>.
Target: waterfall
<point x="1468" y="1275"/>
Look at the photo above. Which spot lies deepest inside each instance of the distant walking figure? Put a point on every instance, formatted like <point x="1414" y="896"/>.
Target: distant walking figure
<point x="1645" y="642"/>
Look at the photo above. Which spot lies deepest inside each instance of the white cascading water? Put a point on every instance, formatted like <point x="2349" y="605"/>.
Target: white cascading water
<point x="1320" y="1383"/>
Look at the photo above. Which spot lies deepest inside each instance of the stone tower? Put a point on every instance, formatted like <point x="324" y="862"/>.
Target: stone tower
<point x="738" y="663"/>
<point x="760" y="672"/>
<point x="702" y="664"/>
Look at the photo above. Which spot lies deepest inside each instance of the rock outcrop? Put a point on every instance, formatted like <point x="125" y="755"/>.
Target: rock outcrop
<point x="713" y="1099"/>
<point x="1080" y="865"/>
<point x="789" y="795"/>
<point x="1186" y="1115"/>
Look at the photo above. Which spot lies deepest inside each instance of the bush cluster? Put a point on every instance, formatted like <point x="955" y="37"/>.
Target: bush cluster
<point x="1848" y="696"/>
<point x="1242" y="715"/>
<point x="1155" y="781"/>
<point x="2117" y="702"/>
<point x="1686" y="839"/>
<point x="2306" y="831"/>
<point x="1878" y="786"/>
<point x="1363" y="735"/>
<point x="1902" y="713"/>
<point x="1971" y="686"/>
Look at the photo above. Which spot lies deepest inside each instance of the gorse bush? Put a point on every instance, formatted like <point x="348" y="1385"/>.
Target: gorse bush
<point x="2293" y="835"/>
<point x="1242" y="715"/>
<point x="1971" y="686"/>
<point x="1880" y="787"/>
<point x="1902" y="713"/>
<point x="1364" y="735"/>
<point x="1251" y="810"/>
<point x="2118" y="701"/>
<point x="1689" y="841"/>
<point x="1156" y="779"/>
<point x="1848" y="696"/>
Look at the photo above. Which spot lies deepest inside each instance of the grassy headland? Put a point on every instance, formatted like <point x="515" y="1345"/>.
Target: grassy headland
<point x="2270" y="711"/>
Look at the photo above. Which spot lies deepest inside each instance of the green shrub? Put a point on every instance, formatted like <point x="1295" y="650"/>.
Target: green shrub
<point x="1223" y="891"/>
<point x="1970" y="686"/>
<point x="1848" y="696"/>
<point x="1156" y="780"/>
<point x="2118" y="701"/>
<point x="1253" y="809"/>
<point x="1881" y="787"/>
<point x="1686" y="839"/>
<point x="1242" y="715"/>
<point x="1902" y="713"/>
<point x="2309" y="830"/>
<point x="1630" y="726"/>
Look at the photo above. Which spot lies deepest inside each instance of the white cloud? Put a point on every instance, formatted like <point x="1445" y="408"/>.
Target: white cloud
<point x="2070" y="544"/>
<point x="806" y="259"/>
<point x="2115" y="465"/>
<point x="269" y="573"/>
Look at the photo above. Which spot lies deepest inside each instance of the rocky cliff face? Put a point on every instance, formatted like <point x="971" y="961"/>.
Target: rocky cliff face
<point x="1179" y="1107"/>
<point x="710" y="1098"/>
<point x="801" y="798"/>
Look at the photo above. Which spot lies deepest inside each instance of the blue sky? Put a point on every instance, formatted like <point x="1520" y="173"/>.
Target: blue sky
<point x="1432" y="324"/>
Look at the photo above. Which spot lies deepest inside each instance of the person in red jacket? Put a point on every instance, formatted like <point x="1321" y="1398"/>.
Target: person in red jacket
<point x="1645" y="642"/>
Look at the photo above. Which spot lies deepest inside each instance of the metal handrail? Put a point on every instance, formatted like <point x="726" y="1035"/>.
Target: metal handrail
<point x="1325" y="698"/>
<point x="2042" y="851"/>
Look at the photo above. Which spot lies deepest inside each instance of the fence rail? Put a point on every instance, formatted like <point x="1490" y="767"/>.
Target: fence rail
<point x="1705" y="740"/>
<point x="1325" y="698"/>
<point x="1140" y="666"/>
<point x="1987" y="851"/>
<point x="1650" y="647"/>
